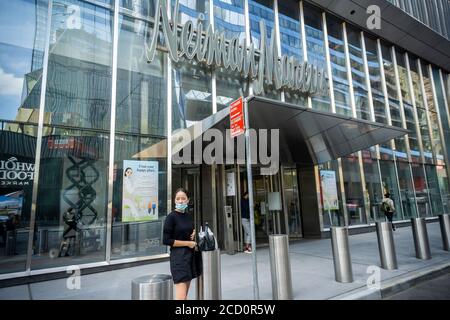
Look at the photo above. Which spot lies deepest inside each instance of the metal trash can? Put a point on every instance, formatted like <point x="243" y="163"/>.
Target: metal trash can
<point x="444" y="222"/>
<point x="209" y="284"/>
<point x="280" y="267"/>
<point x="152" y="287"/>
<point x="386" y="245"/>
<point x="341" y="254"/>
<point x="420" y="234"/>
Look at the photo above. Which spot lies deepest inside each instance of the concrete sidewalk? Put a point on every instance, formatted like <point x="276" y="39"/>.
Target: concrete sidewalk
<point x="311" y="265"/>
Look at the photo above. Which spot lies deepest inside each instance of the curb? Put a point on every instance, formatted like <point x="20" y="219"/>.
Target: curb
<point x="398" y="284"/>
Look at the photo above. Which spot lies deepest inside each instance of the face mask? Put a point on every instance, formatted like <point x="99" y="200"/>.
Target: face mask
<point x="181" y="206"/>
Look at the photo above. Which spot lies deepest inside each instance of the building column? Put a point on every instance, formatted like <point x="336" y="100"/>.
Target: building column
<point x="309" y="202"/>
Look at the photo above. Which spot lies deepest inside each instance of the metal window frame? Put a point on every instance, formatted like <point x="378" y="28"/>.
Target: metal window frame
<point x="40" y="129"/>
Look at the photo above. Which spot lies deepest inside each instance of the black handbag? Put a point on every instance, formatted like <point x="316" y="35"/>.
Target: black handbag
<point x="206" y="240"/>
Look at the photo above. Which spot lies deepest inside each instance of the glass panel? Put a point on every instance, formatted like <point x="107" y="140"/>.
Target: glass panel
<point x="443" y="186"/>
<point x="140" y="165"/>
<point x="191" y="81"/>
<point x="338" y="66"/>
<point x="373" y="186"/>
<point x="394" y="104"/>
<point x="420" y="185"/>
<point x="407" y="107"/>
<point x="358" y="74"/>
<point x="291" y="42"/>
<point x="144" y="8"/>
<point x="72" y="196"/>
<point x="389" y="181"/>
<point x="262" y="10"/>
<point x="421" y="112"/>
<point x="443" y="111"/>
<point x="331" y="217"/>
<point x="433" y="187"/>
<point x="291" y="202"/>
<point x="22" y="51"/>
<point x="406" y="190"/>
<point x="229" y="17"/>
<point x="375" y="80"/>
<point x="315" y="49"/>
<point x="353" y="190"/>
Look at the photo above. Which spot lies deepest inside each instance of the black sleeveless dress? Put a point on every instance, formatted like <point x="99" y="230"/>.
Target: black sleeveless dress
<point x="179" y="226"/>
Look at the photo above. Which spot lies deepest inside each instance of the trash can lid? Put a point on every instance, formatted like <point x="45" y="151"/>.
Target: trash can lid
<point x="153" y="278"/>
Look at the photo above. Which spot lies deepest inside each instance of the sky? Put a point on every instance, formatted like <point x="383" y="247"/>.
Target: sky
<point x="17" y="20"/>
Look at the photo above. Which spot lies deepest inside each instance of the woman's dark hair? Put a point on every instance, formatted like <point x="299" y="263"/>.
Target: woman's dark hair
<point x="125" y="172"/>
<point x="182" y="190"/>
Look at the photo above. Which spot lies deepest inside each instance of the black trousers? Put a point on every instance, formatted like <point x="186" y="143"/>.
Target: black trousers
<point x="390" y="216"/>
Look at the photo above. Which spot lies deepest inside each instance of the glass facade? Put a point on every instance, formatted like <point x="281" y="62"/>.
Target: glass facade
<point x="106" y="115"/>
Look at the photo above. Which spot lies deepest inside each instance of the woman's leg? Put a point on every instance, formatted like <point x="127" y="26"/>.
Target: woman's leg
<point x="181" y="290"/>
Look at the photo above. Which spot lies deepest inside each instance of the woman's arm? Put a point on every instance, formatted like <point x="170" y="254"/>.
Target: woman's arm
<point x="180" y="243"/>
<point x="168" y="236"/>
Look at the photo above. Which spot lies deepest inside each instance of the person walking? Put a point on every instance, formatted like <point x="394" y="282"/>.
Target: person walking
<point x="387" y="205"/>
<point x="245" y="219"/>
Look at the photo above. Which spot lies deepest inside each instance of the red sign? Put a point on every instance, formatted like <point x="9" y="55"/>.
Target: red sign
<point x="237" y="125"/>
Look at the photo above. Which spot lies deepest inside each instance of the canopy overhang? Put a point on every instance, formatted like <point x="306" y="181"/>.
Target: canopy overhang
<point x="306" y="136"/>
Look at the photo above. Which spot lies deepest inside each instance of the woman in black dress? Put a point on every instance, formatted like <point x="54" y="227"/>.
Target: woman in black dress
<point x="179" y="234"/>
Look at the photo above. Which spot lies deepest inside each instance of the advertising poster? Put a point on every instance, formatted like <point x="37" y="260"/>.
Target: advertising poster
<point x="329" y="190"/>
<point x="140" y="191"/>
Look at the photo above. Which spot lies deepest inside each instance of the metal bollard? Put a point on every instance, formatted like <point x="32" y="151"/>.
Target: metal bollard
<point x="209" y="286"/>
<point x="280" y="267"/>
<point x="341" y="254"/>
<point x="386" y="245"/>
<point x="152" y="287"/>
<point x="420" y="235"/>
<point x="444" y="222"/>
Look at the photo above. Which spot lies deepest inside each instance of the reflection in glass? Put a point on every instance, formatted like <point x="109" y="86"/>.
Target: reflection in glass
<point x="315" y="49"/>
<point x="353" y="190"/>
<point x="291" y="42"/>
<point x="422" y="193"/>
<point x="443" y="111"/>
<point x="338" y="66"/>
<point x="231" y="20"/>
<point x="73" y="172"/>
<point x="358" y="74"/>
<point x="433" y="187"/>
<point x="406" y="190"/>
<point x="373" y="186"/>
<point x="394" y="106"/>
<point x="443" y="182"/>
<point x="375" y="79"/>
<point x="292" y="201"/>
<point x="21" y="60"/>
<point x="139" y="194"/>
<point x="191" y="81"/>
<point x="262" y="10"/>
<point x="407" y="106"/>
<point x="421" y="112"/>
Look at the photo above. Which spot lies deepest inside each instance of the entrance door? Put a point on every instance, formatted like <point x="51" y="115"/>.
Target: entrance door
<point x="292" y="202"/>
<point x="268" y="204"/>
<point x="189" y="179"/>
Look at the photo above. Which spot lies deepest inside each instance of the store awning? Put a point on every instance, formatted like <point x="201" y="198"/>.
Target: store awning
<point x="307" y="136"/>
